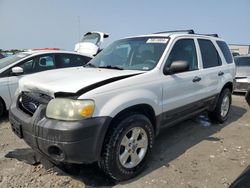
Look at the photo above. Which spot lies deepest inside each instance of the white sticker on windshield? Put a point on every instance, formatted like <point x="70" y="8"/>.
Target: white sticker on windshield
<point x="157" y="40"/>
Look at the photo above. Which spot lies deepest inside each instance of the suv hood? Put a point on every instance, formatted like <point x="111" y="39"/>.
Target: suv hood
<point x="71" y="80"/>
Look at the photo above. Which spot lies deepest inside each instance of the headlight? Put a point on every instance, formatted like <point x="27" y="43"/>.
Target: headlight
<point x="69" y="109"/>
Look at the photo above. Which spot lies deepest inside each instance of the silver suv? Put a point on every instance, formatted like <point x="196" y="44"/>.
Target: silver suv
<point x="111" y="110"/>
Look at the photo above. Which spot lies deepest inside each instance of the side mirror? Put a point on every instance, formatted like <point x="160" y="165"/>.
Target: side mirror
<point x="177" y="67"/>
<point x="17" y="70"/>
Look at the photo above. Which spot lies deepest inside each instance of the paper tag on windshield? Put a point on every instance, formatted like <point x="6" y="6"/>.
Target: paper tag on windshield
<point x="157" y="40"/>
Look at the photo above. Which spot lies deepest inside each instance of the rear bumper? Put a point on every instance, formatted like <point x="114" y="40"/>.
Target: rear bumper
<point x="60" y="141"/>
<point x="241" y="85"/>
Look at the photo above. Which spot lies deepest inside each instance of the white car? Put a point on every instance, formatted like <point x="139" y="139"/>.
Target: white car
<point x="91" y="42"/>
<point x="14" y="67"/>
<point x="242" y="78"/>
<point x="111" y="110"/>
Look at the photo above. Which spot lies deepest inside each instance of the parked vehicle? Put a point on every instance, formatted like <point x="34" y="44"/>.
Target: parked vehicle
<point x="1" y="56"/>
<point x="91" y="43"/>
<point x="111" y="111"/>
<point x="242" y="73"/>
<point x="14" y="67"/>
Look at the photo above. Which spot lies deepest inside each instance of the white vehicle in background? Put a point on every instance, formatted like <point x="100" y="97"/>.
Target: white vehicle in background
<point x="91" y="42"/>
<point x="14" y="67"/>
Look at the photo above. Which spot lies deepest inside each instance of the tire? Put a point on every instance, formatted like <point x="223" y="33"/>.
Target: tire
<point x="247" y="96"/>
<point x="122" y="158"/>
<point x="2" y="108"/>
<point x="223" y="106"/>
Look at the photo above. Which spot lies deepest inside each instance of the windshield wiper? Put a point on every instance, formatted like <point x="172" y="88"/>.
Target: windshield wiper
<point x="89" y="65"/>
<point x="110" y="67"/>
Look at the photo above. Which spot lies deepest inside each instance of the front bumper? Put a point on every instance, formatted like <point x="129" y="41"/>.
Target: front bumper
<point x="60" y="141"/>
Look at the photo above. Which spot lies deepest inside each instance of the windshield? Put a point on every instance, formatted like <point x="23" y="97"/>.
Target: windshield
<point x="141" y="53"/>
<point x="91" y="37"/>
<point x="242" y="61"/>
<point x="11" y="59"/>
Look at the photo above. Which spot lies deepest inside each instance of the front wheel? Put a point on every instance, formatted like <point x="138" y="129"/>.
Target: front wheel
<point x="221" y="111"/>
<point x="127" y="147"/>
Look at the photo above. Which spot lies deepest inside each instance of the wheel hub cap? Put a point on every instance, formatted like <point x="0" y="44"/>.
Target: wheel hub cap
<point x="133" y="147"/>
<point x="225" y="106"/>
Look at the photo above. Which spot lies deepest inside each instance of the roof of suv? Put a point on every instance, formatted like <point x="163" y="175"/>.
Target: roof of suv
<point x="179" y="33"/>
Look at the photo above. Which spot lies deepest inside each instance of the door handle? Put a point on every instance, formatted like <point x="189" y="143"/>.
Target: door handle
<point x="220" y="73"/>
<point x="197" y="79"/>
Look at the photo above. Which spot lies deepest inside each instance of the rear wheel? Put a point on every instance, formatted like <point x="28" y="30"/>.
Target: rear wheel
<point x="221" y="111"/>
<point x="127" y="147"/>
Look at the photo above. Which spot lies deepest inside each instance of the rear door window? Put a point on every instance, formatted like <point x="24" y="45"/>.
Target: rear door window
<point x="210" y="56"/>
<point x="70" y="60"/>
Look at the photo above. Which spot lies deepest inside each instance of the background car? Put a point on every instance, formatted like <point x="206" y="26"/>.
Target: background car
<point x="14" y="67"/>
<point x="91" y="43"/>
<point x="242" y="73"/>
<point x="1" y="56"/>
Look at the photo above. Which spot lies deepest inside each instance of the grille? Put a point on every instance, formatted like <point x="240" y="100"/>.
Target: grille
<point x="29" y="102"/>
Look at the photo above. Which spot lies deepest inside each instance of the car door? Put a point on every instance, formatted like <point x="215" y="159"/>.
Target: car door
<point x="29" y="66"/>
<point x="90" y="43"/>
<point x="212" y="71"/>
<point x="181" y="91"/>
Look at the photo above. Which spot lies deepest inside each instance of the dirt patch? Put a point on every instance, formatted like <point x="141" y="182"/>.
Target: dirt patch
<point x="195" y="153"/>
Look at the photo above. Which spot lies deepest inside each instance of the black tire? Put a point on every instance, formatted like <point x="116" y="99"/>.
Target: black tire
<point x="110" y="162"/>
<point x="247" y="96"/>
<point x="216" y="115"/>
<point x="2" y="108"/>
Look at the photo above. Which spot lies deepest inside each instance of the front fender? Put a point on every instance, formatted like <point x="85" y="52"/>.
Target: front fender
<point x="113" y="105"/>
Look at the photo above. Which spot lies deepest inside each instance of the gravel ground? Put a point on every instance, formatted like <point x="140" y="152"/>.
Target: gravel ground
<point x="195" y="153"/>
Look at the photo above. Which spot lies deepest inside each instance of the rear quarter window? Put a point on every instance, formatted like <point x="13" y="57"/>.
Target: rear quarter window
<point x="225" y="50"/>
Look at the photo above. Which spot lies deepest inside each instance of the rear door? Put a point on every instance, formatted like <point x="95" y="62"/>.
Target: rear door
<point x="90" y="43"/>
<point x="212" y="72"/>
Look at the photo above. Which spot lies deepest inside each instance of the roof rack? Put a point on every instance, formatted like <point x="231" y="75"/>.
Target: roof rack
<point x="213" y="35"/>
<point x="188" y="31"/>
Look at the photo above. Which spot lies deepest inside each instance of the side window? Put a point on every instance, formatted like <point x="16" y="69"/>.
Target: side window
<point x="70" y="60"/>
<point x="225" y="50"/>
<point x="27" y="66"/>
<point x="184" y="50"/>
<point x="38" y="64"/>
<point x="242" y="61"/>
<point x="210" y="56"/>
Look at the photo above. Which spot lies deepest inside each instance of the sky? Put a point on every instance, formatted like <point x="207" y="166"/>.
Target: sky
<point x="61" y="23"/>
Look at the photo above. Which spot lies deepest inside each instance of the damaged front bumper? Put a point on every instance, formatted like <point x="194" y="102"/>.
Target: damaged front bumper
<point x="60" y="141"/>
